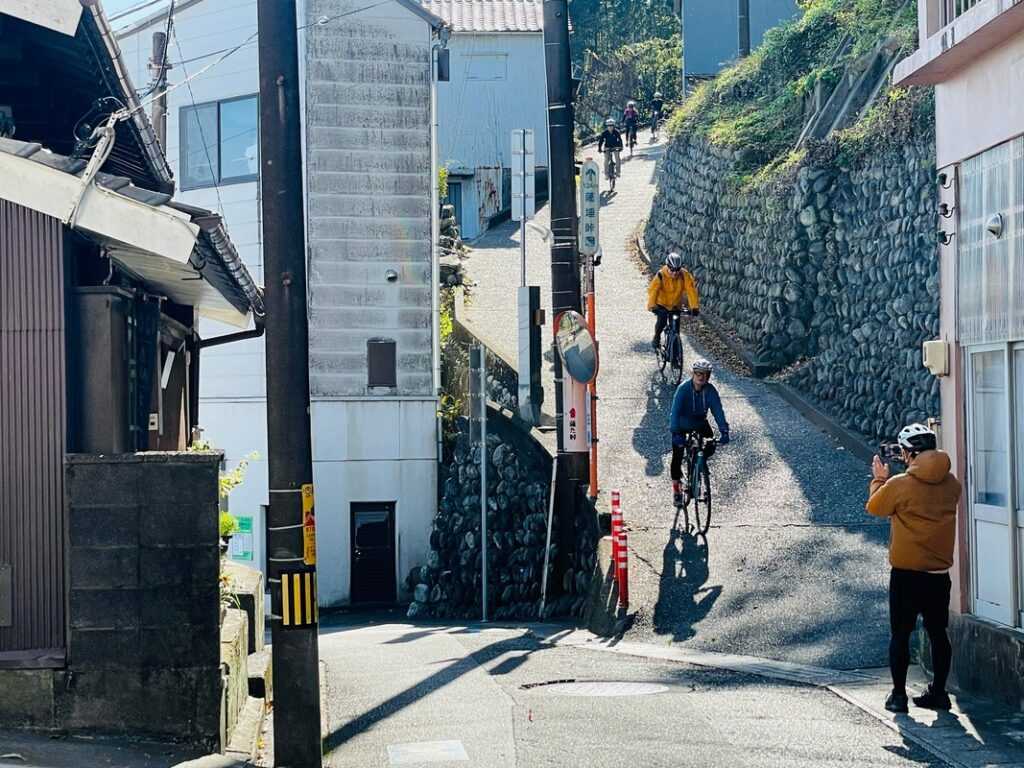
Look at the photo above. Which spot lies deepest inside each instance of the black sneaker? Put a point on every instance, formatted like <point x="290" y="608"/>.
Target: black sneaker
<point x="677" y="499"/>
<point x="897" y="702"/>
<point x="932" y="699"/>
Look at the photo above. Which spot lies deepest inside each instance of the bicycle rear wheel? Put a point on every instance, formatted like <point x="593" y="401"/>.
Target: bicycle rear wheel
<point x="662" y="357"/>
<point x="701" y="490"/>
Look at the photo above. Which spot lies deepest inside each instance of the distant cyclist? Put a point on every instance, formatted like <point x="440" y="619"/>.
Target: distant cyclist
<point x="657" y="103"/>
<point x="690" y="406"/>
<point x="610" y="142"/>
<point x="631" y="118"/>
<point x="671" y="290"/>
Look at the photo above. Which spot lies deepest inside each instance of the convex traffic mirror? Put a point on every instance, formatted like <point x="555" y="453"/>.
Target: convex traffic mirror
<point x="576" y="346"/>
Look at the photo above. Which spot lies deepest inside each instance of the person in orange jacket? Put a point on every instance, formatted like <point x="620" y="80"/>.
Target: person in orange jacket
<point x="921" y="505"/>
<point x="667" y="292"/>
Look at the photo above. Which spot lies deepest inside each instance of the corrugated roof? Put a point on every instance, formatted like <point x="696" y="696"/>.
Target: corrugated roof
<point x="214" y="258"/>
<point x="489" y="15"/>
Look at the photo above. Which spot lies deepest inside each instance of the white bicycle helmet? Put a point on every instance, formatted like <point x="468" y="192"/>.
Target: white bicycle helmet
<point x="631" y="104"/>
<point x="702" y="366"/>
<point x="674" y="261"/>
<point x="916" y="438"/>
<point x="657" y="94"/>
<point x="610" y="122"/>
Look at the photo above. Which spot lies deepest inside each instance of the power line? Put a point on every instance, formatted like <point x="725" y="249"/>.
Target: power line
<point x="133" y="9"/>
<point x="214" y="172"/>
<point x="320" y="22"/>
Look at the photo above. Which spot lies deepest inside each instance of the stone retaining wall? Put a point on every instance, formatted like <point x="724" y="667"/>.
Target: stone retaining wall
<point x="835" y="272"/>
<point x="449" y="584"/>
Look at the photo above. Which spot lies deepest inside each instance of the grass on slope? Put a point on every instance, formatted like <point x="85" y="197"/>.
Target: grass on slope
<point x="758" y="104"/>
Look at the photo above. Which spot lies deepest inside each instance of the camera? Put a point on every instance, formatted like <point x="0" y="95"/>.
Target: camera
<point x="888" y="452"/>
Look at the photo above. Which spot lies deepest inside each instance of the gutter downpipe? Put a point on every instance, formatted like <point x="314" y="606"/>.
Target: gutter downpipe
<point x="230" y="338"/>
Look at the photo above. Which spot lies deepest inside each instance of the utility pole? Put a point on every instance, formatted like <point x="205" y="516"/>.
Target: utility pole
<point x="743" y="15"/>
<point x="158" y="66"/>
<point x="291" y="541"/>
<point x="565" y="273"/>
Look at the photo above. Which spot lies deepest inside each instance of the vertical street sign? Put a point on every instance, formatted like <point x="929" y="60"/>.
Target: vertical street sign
<point x="524" y="196"/>
<point x="574" y="423"/>
<point x="590" y="207"/>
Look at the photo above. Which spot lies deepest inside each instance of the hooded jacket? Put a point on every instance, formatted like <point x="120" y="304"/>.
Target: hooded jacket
<point x="667" y="290"/>
<point x="921" y="504"/>
<point x="690" y="408"/>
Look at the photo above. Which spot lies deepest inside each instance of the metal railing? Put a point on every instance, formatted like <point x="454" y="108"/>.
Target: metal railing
<point x="952" y="9"/>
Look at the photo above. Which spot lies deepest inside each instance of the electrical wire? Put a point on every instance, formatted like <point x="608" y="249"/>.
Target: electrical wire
<point x="133" y="9"/>
<point x="214" y="172"/>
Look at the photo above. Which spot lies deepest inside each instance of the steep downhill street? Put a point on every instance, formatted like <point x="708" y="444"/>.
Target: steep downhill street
<point x="793" y="568"/>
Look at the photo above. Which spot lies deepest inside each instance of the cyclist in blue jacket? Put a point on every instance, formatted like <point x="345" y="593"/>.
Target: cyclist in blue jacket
<point x="690" y="406"/>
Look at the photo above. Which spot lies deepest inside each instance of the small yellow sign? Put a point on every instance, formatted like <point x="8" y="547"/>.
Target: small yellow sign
<point x="308" y="526"/>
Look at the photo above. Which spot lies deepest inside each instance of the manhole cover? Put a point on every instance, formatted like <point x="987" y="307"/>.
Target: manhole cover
<point x="600" y="688"/>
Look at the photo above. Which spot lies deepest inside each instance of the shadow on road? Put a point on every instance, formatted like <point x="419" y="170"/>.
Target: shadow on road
<point x="683" y="599"/>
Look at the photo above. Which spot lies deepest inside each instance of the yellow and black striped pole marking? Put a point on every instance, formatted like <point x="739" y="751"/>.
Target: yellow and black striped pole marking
<point x="298" y="599"/>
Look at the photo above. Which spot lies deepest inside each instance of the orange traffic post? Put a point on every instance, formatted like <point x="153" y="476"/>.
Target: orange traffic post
<point x="592" y="327"/>
<point x="622" y="566"/>
<point x="616" y="528"/>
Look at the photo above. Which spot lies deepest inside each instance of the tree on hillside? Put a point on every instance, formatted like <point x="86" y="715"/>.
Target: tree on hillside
<point x="605" y="26"/>
<point x="625" y="49"/>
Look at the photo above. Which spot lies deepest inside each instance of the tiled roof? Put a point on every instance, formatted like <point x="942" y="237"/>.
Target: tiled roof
<point x="489" y="15"/>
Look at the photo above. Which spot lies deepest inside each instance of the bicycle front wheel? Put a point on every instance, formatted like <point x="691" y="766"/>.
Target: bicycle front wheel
<point x="701" y="491"/>
<point x="677" y="358"/>
<point x="662" y="357"/>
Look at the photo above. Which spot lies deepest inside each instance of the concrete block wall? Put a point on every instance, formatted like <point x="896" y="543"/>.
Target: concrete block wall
<point x="144" y="637"/>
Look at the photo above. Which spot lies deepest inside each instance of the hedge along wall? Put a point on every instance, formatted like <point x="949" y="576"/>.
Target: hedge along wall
<point x="834" y="269"/>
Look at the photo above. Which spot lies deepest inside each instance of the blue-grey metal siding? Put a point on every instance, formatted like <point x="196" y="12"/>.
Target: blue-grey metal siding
<point x="711" y="31"/>
<point x="32" y="427"/>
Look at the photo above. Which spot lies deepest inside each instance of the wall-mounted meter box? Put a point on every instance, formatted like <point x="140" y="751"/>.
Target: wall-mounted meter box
<point x="936" y="357"/>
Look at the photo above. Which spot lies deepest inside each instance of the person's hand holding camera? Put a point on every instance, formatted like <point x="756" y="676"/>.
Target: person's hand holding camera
<point x="879" y="470"/>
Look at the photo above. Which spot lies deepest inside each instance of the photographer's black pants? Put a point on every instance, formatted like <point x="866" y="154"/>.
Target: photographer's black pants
<point x="912" y="593"/>
<point x="679" y="451"/>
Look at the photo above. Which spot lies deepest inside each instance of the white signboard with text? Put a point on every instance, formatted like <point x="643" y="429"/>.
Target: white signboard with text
<point x="590" y="208"/>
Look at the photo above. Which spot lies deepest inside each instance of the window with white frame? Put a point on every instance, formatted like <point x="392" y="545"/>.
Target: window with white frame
<point x="219" y="143"/>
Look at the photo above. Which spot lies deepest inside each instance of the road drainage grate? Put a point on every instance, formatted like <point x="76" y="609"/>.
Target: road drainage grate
<point x="596" y="688"/>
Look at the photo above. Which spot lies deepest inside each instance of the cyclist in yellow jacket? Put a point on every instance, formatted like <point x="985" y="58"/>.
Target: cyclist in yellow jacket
<point x="667" y="292"/>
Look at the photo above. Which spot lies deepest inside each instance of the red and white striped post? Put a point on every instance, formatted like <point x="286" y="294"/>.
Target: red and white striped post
<point x="622" y="569"/>
<point x="616" y="528"/>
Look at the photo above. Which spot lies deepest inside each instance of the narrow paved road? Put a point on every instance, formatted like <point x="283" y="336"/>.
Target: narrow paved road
<point x="416" y="695"/>
<point x="793" y="569"/>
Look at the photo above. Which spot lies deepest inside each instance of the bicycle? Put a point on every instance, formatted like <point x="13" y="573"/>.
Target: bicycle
<point x="698" y="481"/>
<point x="670" y="351"/>
<point x="611" y="166"/>
<point x="631" y="137"/>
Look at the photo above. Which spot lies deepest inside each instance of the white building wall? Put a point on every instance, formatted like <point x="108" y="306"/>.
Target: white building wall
<point x="232" y="407"/>
<point x="369" y="176"/>
<point x="498" y="84"/>
<point x="368" y="189"/>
